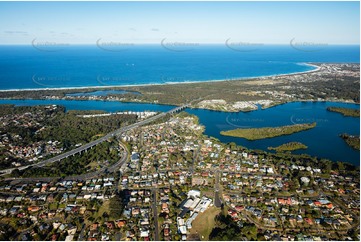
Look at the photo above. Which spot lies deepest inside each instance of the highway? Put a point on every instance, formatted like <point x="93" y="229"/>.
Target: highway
<point x="95" y="142"/>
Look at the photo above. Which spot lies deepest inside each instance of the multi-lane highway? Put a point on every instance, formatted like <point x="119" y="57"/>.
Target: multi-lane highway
<point x="96" y="142"/>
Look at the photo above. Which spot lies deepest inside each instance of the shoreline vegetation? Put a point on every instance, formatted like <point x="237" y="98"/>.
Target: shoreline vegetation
<point x="267" y="132"/>
<point x="348" y="112"/>
<point x="351" y="140"/>
<point x="291" y="146"/>
<point x="234" y="95"/>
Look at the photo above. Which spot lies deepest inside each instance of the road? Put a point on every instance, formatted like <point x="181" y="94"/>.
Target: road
<point x="195" y="157"/>
<point x="95" y="142"/>
<point x="110" y="169"/>
<point x="217" y="200"/>
<point x="155" y="215"/>
<point x="86" y="176"/>
<point x="81" y="234"/>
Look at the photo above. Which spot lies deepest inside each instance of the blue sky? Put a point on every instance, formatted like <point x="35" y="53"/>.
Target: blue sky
<point x="196" y="22"/>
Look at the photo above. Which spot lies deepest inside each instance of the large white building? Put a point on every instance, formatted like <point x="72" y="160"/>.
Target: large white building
<point x="194" y="194"/>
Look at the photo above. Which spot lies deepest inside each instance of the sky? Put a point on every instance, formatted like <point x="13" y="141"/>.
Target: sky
<point x="182" y="22"/>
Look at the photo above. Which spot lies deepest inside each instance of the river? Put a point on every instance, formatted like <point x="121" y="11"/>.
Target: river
<point x="323" y="141"/>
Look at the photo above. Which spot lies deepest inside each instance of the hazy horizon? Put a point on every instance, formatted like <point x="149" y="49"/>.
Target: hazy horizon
<point x="331" y="23"/>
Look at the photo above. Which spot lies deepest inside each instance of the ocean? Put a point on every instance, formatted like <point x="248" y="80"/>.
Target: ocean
<point x="28" y="67"/>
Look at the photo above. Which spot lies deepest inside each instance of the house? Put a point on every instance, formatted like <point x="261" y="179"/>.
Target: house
<point x="82" y="210"/>
<point x="165" y="208"/>
<point x="284" y="201"/>
<point x="54" y="237"/>
<point x="135" y="157"/>
<point x="329" y="206"/>
<point x="69" y="238"/>
<point x="194" y="193"/>
<point x="135" y="211"/>
<point x="317" y="203"/>
<point x="239" y="208"/>
<point x="166" y="232"/>
<point x="309" y="221"/>
<point x="110" y="225"/>
<point x="181" y="226"/>
<point x="121" y="223"/>
<point x="144" y="234"/>
<point x="50" y="198"/>
<point x="33" y="208"/>
<point x="233" y="214"/>
<point x="94" y="227"/>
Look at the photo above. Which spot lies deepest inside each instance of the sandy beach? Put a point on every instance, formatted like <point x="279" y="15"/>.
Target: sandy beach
<point x="317" y="68"/>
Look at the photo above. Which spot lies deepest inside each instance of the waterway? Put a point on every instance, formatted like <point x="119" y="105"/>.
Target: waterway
<point x="323" y="141"/>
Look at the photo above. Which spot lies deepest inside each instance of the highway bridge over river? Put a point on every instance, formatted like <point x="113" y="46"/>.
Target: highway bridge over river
<point x="96" y="142"/>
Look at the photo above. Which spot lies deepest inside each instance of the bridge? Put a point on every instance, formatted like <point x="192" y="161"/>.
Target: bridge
<point x="96" y="142"/>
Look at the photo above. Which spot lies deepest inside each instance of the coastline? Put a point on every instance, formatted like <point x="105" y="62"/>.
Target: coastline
<point x="169" y="93"/>
<point x="317" y="68"/>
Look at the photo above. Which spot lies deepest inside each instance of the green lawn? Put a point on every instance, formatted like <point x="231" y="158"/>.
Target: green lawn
<point x="204" y="223"/>
<point x="53" y="206"/>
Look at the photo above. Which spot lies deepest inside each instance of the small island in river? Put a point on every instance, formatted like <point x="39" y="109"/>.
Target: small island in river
<point x="351" y="140"/>
<point x="291" y="146"/>
<point x="345" y="111"/>
<point x="268" y="132"/>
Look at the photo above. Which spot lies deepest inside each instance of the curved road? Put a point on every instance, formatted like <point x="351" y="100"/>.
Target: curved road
<point x="95" y="142"/>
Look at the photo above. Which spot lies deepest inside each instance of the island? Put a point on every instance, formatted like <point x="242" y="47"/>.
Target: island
<point x="351" y="140"/>
<point x="291" y="146"/>
<point x="268" y="132"/>
<point x="350" y="112"/>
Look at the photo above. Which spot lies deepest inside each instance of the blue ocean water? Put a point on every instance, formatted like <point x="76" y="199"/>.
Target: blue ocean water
<point x="23" y="67"/>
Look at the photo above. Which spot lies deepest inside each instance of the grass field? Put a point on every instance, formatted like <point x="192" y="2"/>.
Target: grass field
<point x="103" y="208"/>
<point x="204" y="223"/>
<point x="93" y="164"/>
<point x="53" y="206"/>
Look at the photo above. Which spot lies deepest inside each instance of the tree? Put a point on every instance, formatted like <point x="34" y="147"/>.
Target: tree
<point x="16" y="173"/>
<point x="226" y="229"/>
<point x="115" y="207"/>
